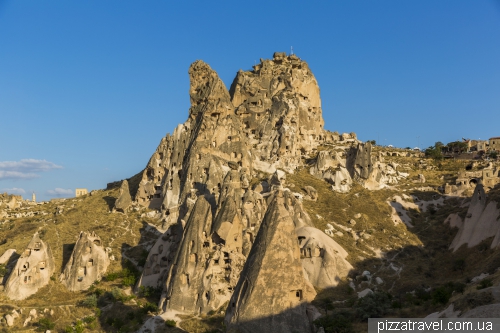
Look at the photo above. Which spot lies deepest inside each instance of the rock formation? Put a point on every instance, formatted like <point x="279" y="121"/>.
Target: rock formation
<point x="32" y="271"/>
<point x="481" y="222"/>
<point x="160" y="258"/>
<point x="208" y="260"/>
<point x="324" y="260"/>
<point x="272" y="292"/>
<point x="280" y="107"/>
<point x="88" y="262"/>
<point x="201" y="177"/>
<point x="124" y="200"/>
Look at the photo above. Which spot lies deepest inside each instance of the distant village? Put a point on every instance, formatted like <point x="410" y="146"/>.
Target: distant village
<point x="466" y="149"/>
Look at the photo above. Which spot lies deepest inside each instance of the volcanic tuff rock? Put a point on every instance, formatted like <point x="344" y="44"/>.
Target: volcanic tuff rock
<point x="32" y="271"/>
<point x="324" y="260"/>
<point x="481" y="222"/>
<point x="88" y="262"/>
<point x="124" y="199"/>
<point x="202" y="179"/>
<point x="272" y="292"/>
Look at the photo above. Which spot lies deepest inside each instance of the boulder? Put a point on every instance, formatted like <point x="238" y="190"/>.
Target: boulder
<point x="9" y="320"/>
<point x="365" y="293"/>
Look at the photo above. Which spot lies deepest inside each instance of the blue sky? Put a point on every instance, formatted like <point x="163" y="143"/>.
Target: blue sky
<point x="89" y="88"/>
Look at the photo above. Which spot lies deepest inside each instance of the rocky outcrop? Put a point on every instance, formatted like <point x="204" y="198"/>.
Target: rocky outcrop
<point x="200" y="178"/>
<point x="195" y="159"/>
<point x="32" y="271"/>
<point x="124" y="200"/>
<point x="279" y="104"/>
<point x="359" y="162"/>
<point x="207" y="264"/>
<point x="331" y="166"/>
<point x="272" y="292"/>
<point x="324" y="260"/>
<point x="481" y="222"/>
<point x="87" y="264"/>
<point x="161" y="257"/>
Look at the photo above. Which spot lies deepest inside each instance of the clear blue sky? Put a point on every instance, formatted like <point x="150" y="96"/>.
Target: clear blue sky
<point x="89" y="88"/>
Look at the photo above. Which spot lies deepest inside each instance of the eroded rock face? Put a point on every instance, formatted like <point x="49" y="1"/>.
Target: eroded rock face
<point x="324" y="260"/>
<point x="88" y="263"/>
<point x="32" y="271"/>
<point x="208" y="261"/>
<point x="272" y="292"/>
<point x="480" y="222"/>
<point x="124" y="200"/>
<point x="280" y="107"/>
<point x="199" y="153"/>
<point x="201" y="177"/>
<point x="161" y="257"/>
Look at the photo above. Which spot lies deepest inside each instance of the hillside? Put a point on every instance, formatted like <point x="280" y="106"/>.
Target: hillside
<point x="252" y="216"/>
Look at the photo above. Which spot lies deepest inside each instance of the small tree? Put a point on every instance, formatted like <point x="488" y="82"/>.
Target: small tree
<point x="434" y="152"/>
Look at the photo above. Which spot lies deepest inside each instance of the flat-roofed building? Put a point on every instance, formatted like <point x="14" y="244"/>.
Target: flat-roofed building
<point x="495" y="143"/>
<point x="81" y="191"/>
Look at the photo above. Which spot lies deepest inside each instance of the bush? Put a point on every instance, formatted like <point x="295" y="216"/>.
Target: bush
<point x="3" y="270"/>
<point x="170" y="323"/>
<point x="150" y="292"/>
<point x="111" y="276"/>
<point x="335" y="324"/>
<point x="78" y="328"/>
<point x="150" y="307"/>
<point x="116" y="294"/>
<point x="45" y="324"/>
<point x="441" y="295"/>
<point x="128" y="280"/>
<point x="374" y="305"/>
<point x="90" y="301"/>
<point x="484" y="284"/>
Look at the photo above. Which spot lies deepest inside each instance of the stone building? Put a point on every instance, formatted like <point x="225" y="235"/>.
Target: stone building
<point x="80" y="192"/>
<point x="495" y="143"/>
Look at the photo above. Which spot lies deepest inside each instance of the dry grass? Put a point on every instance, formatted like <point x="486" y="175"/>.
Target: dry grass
<point x="127" y="234"/>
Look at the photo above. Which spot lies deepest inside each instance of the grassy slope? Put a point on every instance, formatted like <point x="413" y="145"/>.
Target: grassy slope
<point x="421" y="251"/>
<point x="129" y="234"/>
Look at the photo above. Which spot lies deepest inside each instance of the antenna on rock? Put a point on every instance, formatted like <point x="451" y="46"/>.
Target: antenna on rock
<point x="291" y="50"/>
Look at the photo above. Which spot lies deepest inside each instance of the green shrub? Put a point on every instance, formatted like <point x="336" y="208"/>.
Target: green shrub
<point x="116" y="294"/>
<point x="90" y="301"/>
<point x="128" y="280"/>
<point x="150" y="307"/>
<point x="111" y="276"/>
<point x="45" y="324"/>
<point x="484" y="284"/>
<point x="170" y="323"/>
<point x="441" y="295"/>
<point x="374" y="305"/>
<point x="3" y="270"/>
